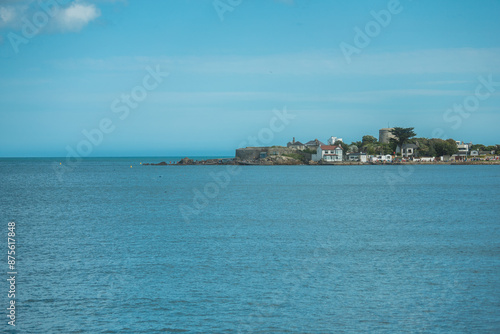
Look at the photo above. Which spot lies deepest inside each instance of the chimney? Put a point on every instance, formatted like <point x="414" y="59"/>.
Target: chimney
<point x="294" y="140"/>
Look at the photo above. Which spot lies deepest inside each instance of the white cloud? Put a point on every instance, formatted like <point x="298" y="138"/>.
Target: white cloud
<point x="73" y="17"/>
<point x="7" y="15"/>
<point x="10" y="16"/>
<point x="76" y="16"/>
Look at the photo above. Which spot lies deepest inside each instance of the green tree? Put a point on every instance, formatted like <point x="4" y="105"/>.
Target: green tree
<point x="401" y="136"/>
<point x="444" y="147"/>
<point x="386" y="148"/>
<point x="452" y="146"/>
<point x="345" y="147"/>
<point x="369" y="140"/>
<point x="440" y="147"/>
<point x="370" y="148"/>
<point x="353" y="148"/>
<point x="356" y="144"/>
<point x="479" y="147"/>
<point x="490" y="148"/>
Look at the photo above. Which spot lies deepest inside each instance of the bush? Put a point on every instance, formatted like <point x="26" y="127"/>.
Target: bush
<point x="295" y="156"/>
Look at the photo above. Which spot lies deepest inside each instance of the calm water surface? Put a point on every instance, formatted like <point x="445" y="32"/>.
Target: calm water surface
<point x="105" y="248"/>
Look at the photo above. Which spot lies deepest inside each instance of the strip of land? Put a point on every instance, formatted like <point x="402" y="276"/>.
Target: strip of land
<point x="288" y="161"/>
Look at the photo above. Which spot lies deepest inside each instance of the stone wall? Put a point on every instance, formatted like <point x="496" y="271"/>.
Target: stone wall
<point x="253" y="153"/>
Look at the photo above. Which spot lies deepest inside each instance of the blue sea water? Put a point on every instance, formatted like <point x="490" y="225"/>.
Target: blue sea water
<point x="106" y="248"/>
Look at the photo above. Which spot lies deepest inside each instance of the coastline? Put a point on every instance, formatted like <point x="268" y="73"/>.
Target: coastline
<point x="290" y="162"/>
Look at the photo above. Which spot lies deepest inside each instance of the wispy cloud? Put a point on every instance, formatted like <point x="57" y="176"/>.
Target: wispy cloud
<point x="71" y="17"/>
<point x="362" y="97"/>
<point x="440" y="61"/>
<point x="444" y="82"/>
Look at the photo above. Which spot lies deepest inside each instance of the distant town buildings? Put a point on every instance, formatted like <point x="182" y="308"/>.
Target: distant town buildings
<point x="332" y="152"/>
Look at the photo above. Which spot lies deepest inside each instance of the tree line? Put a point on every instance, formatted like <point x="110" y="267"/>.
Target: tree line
<point x="426" y="147"/>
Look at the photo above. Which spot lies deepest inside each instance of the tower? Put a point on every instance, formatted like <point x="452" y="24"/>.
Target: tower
<point x="384" y="135"/>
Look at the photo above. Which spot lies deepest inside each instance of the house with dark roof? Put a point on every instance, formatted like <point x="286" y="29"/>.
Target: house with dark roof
<point x="296" y="145"/>
<point x="314" y="144"/>
<point x="409" y="150"/>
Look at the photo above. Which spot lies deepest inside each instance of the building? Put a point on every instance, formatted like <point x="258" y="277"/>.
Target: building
<point x="409" y="150"/>
<point x="328" y="153"/>
<point x="313" y="144"/>
<point x="460" y="156"/>
<point x="360" y="157"/>
<point x="425" y="159"/>
<point x="463" y="148"/>
<point x="384" y="135"/>
<point x="381" y="158"/>
<point x="296" y="145"/>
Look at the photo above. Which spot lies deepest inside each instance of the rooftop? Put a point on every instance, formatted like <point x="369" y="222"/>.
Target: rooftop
<point x="329" y="147"/>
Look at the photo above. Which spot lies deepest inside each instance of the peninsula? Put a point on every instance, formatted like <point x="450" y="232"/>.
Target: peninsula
<point x="394" y="146"/>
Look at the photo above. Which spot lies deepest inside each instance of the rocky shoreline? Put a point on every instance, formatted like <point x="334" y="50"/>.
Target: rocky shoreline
<point x="288" y="161"/>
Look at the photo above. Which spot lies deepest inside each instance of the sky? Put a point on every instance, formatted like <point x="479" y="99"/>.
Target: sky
<point x="204" y="77"/>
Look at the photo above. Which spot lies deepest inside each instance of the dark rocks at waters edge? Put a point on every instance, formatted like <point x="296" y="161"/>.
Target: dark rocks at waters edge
<point x="269" y="161"/>
<point x="186" y="161"/>
<point x="190" y="162"/>
<point x="284" y="160"/>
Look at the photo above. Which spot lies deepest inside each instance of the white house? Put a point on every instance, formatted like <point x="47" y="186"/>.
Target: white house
<point x="463" y="147"/>
<point x="361" y="157"/>
<point x="381" y="158"/>
<point x="328" y="153"/>
<point x="424" y="159"/>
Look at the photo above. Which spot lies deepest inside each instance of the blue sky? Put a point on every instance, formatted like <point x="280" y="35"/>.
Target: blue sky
<point x="226" y="76"/>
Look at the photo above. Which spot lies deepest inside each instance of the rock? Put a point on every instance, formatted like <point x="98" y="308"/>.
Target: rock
<point x="186" y="161"/>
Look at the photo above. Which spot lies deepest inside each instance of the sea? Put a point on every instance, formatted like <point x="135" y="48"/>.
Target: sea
<point x="109" y="245"/>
